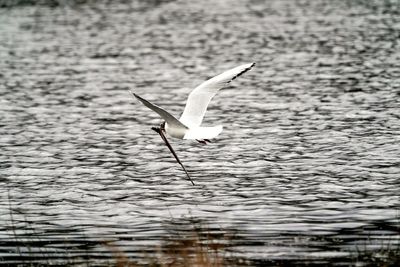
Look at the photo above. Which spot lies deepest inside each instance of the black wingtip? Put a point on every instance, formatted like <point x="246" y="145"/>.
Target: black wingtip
<point x="135" y="95"/>
<point x="245" y="70"/>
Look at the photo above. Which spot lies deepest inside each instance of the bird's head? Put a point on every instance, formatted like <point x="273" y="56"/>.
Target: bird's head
<point x="158" y="129"/>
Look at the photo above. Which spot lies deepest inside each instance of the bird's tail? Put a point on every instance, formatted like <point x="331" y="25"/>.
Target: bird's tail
<point x="201" y="133"/>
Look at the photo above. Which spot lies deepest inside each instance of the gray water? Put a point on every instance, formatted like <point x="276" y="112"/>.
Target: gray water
<point x="308" y="164"/>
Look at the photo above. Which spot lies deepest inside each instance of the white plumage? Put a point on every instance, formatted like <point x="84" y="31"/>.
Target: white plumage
<point x="188" y="126"/>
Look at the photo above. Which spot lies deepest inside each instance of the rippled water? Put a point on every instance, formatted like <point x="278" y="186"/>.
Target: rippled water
<point x="307" y="167"/>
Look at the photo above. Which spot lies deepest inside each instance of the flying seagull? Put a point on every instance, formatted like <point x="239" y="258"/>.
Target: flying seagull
<point x="188" y="126"/>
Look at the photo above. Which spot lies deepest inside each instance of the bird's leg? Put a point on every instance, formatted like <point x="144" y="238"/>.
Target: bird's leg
<point x="202" y="141"/>
<point x="164" y="138"/>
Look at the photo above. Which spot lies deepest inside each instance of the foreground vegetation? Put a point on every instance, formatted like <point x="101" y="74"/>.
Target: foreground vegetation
<point x="187" y="242"/>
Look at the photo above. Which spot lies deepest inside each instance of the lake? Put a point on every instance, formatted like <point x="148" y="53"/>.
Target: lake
<point x="306" y="171"/>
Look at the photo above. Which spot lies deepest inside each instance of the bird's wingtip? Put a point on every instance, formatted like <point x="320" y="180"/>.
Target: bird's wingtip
<point x="252" y="64"/>
<point x="135" y="95"/>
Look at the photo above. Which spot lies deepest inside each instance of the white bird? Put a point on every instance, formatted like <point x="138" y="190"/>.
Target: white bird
<point x="188" y="126"/>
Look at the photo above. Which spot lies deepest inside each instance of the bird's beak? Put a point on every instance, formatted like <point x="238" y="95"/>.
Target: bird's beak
<point x="157" y="130"/>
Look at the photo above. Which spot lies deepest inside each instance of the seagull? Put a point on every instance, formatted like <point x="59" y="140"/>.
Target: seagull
<point x="189" y="124"/>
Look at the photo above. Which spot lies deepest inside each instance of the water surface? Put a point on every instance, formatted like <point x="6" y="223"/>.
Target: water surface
<point x="307" y="167"/>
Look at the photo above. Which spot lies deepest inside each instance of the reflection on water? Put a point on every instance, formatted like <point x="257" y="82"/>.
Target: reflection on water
<point x="307" y="168"/>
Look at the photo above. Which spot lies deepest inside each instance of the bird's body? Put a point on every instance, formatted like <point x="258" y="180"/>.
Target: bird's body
<point x="188" y="126"/>
<point x="176" y="131"/>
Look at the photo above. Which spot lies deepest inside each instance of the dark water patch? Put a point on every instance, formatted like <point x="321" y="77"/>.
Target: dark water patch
<point x="74" y="3"/>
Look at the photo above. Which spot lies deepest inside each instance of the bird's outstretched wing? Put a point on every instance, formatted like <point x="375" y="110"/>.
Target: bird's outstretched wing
<point x="171" y="120"/>
<point x="201" y="96"/>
